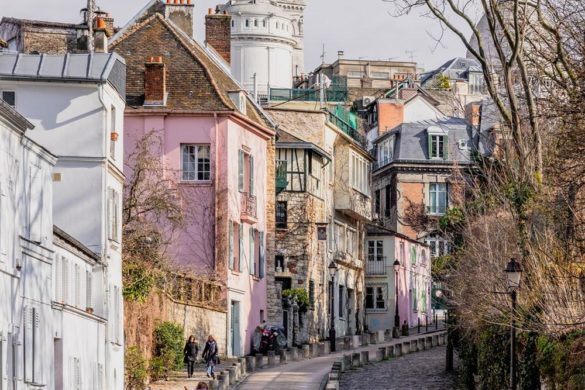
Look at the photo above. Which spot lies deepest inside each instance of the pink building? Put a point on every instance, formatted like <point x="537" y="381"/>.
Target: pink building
<point x="218" y="145"/>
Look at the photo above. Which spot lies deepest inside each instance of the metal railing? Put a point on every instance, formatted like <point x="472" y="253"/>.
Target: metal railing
<point x="249" y="205"/>
<point x="347" y="128"/>
<point x="376" y="265"/>
<point x="306" y="95"/>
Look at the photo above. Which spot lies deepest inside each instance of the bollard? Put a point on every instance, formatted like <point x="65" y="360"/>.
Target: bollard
<point x="232" y="371"/>
<point x="398" y="350"/>
<point x="226" y="375"/>
<point x="429" y="342"/>
<point x="365" y="357"/>
<point x="355" y="359"/>
<point x="214" y="384"/>
<point x="271" y="359"/>
<point x="406" y="347"/>
<point x="390" y="351"/>
<point x="356" y="341"/>
<point x="295" y="353"/>
<point x="365" y="340"/>
<point x="221" y="382"/>
<point x="250" y="363"/>
<point x="238" y="373"/>
<point x="243" y="369"/>
<point x="306" y="351"/>
<point x="259" y="361"/>
<point x="283" y="356"/>
<point x="421" y="344"/>
<point x="347" y="341"/>
<point x="435" y="340"/>
<point x="381" y="354"/>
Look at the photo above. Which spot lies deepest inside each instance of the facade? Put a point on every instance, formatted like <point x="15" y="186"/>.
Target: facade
<point x="75" y="102"/>
<point x="322" y="209"/>
<point x="218" y="147"/>
<point x="413" y="277"/>
<point x="266" y="42"/>
<point x="26" y="256"/>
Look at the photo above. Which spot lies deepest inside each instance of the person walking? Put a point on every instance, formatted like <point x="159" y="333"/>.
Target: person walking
<point x="190" y="353"/>
<point x="210" y="356"/>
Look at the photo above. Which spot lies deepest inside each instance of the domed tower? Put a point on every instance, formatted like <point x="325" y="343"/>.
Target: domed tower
<point x="266" y="41"/>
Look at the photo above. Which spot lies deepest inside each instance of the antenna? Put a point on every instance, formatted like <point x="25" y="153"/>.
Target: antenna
<point x="410" y="54"/>
<point x="323" y="55"/>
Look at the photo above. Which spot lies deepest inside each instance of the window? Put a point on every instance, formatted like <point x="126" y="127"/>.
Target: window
<point x="114" y="215"/>
<point x="311" y="294"/>
<point x="255" y="22"/>
<point x="355" y="75"/>
<point x="376" y="297"/>
<point x="390" y="200"/>
<point x="279" y="263"/>
<point x="438" y="199"/>
<point x="264" y="23"/>
<point x="377" y="201"/>
<point x="277" y="25"/>
<point x="77" y="279"/>
<point x="32" y="344"/>
<point x="113" y="133"/>
<point x="375" y="250"/>
<point x="239" y="263"/>
<point x="438" y="245"/>
<point x="233" y="23"/>
<point x="231" y="260"/>
<point x="476" y="84"/>
<point x="360" y="173"/>
<point x="247" y="23"/>
<point x="386" y="151"/>
<point x="9" y="97"/>
<point x="339" y="237"/>
<point x="245" y="172"/>
<point x="341" y="290"/>
<point x="252" y="246"/>
<point x="117" y="321"/>
<point x="381" y="75"/>
<point x="281" y="215"/>
<point x="196" y="162"/>
<point x="438" y="143"/>
<point x="351" y="242"/>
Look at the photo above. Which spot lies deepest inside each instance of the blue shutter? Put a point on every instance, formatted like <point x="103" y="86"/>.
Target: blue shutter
<point x="252" y="259"/>
<point x="261" y="256"/>
<point x="445" y="147"/>
<point x="241" y="171"/>
<point x="241" y="254"/>
<point x="251" y="175"/>
<point x="231" y="246"/>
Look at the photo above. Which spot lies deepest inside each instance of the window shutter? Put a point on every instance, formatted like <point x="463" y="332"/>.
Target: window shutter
<point x="28" y="344"/>
<point x="37" y="366"/>
<point x="77" y="373"/>
<point x="430" y="145"/>
<point x="117" y="327"/>
<point x="251" y="175"/>
<point x="65" y="265"/>
<point x="109" y="213"/>
<point x="262" y="256"/>
<point x="241" y="171"/>
<point x="3" y="216"/>
<point x="252" y="259"/>
<point x="77" y="292"/>
<point x="445" y="147"/>
<point x="231" y="245"/>
<point x="241" y="254"/>
<point x="88" y="289"/>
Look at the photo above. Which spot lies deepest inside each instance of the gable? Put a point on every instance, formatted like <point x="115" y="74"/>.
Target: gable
<point x="419" y="109"/>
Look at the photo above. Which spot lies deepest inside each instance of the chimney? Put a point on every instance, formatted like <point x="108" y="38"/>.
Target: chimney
<point x="109" y="25"/>
<point x="154" y="82"/>
<point x="390" y="114"/>
<point x="218" y="32"/>
<point x="473" y="113"/>
<point x="180" y="12"/>
<point x="100" y="37"/>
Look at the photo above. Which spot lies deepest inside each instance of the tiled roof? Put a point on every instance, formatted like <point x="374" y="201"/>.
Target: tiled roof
<point x="39" y="23"/>
<point x="205" y="86"/>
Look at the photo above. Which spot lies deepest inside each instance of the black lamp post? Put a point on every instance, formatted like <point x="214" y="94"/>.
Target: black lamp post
<point x="396" y="266"/>
<point x="513" y="273"/>
<point x="332" y="271"/>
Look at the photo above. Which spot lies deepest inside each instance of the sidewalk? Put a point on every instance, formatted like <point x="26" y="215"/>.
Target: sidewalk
<point x="310" y="374"/>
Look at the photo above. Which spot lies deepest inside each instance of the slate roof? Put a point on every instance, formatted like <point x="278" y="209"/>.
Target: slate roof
<point x="82" y="68"/>
<point x="457" y="68"/>
<point x="211" y="95"/>
<point x="40" y="23"/>
<point x="411" y="142"/>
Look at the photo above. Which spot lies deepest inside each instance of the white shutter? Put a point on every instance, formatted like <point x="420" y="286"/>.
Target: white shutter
<point x="58" y="288"/>
<point x="2" y="360"/>
<point x="3" y="217"/>
<point x="88" y="289"/>
<point x="77" y="291"/>
<point x="37" y="341"/>
<point x="77" y="373"/>
<point x="100" y="377"/>
<point x="117" y="314"/>
<point x="65" y="265"/>
<point x="28" y="344"/>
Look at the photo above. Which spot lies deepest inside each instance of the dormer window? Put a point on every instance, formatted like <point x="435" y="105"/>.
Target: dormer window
<point x="438" y="143"/>
<point x="385" y="151"/>
<point x="239" y="99"/>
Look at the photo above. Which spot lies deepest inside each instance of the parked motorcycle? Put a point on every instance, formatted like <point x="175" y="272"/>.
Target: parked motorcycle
<point x="269" y="338"/>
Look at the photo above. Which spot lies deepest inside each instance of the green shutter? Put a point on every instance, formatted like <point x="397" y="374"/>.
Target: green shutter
<point x="251" y="175"/>
<point x="430" y="145"/>
<point x="231" y="246"/>
<point x="445" y="147"/>
<point x="262" y="255"/>
<point x="241" y="171"/>
<point x="241" y="254"/>
<point x="252" y="259"/>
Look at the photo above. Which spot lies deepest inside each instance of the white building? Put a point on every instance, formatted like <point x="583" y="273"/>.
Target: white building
<point x="76" y="102"/>
<point x="26" y="256"/>
<point x="266" y="41"/>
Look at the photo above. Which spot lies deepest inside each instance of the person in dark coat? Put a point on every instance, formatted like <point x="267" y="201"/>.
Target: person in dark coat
<point x="190" y="353"/>
<point x="210" y="356"/>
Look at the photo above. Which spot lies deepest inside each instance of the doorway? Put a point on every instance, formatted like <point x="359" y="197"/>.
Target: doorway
<point x="235" y="328"/>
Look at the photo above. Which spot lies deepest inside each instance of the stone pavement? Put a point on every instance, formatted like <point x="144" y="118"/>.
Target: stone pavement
<point x="307" y="374"/>
<point x="418" y="371"/>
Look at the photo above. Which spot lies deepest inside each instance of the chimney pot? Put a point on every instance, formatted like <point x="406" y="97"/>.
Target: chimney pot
<point x="209" y="11"/>
<point x="180" y="12"/>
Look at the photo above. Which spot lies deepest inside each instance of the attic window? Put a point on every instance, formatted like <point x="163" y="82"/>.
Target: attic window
<point x="239" y="99"/>
<point x="9" y="97"/>
<point x="438" y="143"/>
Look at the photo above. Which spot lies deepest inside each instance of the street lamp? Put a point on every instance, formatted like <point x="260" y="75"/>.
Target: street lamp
<point x="332" y="271"/>
<point x="396" y="266"/>
<point x="513" y="273"/>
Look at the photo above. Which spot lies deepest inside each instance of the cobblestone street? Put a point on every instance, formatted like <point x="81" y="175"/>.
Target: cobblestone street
<point x="417" y="371"/>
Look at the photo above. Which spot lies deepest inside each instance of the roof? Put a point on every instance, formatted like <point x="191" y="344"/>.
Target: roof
<point x="10" y="114"/>
<point x="288" y="141"/>
<point x="205" y="89"/>
<point x="412" y="145"/>
<point x="378" y="230"/>
<point x="40" y="23"/>
<point x="457" y="68"/>
<point x="83" y="68"/>
<point x="67" y="238"/>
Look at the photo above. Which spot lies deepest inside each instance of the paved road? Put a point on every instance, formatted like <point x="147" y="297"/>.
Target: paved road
<point x="421" y="371"/>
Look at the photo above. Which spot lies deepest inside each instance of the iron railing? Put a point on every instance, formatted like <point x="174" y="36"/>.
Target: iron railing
<point x="306" y="95"/>
<point x="376" y="265"/>
<point x="347" y="128"/>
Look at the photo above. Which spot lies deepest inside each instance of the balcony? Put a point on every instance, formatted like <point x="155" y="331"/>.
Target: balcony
<point x="347" y="128"/>
<point x="249" y="208"/>
<point x="281" y="176"/>
<point x="376" y="266"/>
<point x="306" y="95"/>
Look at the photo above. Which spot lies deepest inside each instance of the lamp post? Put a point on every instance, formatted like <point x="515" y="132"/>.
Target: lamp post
<point x="332" y="271"/>
<point x="396" y="266"/>
<point x="513" y="273"/>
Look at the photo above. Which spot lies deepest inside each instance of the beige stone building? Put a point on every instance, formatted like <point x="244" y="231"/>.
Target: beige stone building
<point x="322" y="206"/>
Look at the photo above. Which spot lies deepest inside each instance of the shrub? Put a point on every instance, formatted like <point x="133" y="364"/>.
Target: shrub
<point x="300" y="294"/>
<point x="168" y="349"/>
<point x="493" y="363"/>
<point x="136" y="368"/>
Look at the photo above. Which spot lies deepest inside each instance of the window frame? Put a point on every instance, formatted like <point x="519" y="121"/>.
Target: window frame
<point x="359" y="172"/>
<point x="196" y="163"/>
<point x="281" y="215"/>
<point x="374" y="294"/>
<point x="435" y="191"/>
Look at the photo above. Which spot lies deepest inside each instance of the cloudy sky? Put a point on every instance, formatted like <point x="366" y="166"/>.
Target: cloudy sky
<point x="364" y="29"/>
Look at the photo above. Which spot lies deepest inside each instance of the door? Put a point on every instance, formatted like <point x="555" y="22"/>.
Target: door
<point x="235" y="328"/>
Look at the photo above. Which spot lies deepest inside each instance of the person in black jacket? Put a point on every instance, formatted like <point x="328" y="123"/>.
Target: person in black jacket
<point x="190" y="352"/>
<point x="210" y="356"/>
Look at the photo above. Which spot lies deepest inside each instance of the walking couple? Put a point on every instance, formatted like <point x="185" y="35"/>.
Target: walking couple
<point x="210" y="355"/>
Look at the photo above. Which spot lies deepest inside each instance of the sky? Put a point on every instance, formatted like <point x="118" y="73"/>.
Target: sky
<point x="363" y="29"/>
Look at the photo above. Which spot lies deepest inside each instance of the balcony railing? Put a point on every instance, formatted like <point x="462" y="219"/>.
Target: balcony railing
<point x="347" y="128"/>
<point x="376" y="265"/>
<point x="249" y="207"/>
<point x="306" y="95"/>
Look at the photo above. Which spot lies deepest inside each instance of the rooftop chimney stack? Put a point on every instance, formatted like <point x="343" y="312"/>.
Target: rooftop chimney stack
<point x="180" y="12"/>
<point x="100" y="36"/>
<point x="154" y="82"/>
<point x="218" y="33"/>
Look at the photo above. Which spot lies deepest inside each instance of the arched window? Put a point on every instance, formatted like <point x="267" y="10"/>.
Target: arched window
<point x="277" y="25"/>
<point x="247" y="23"/>
<point x="255" y="22"/>
<point x="233" y="23"/>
